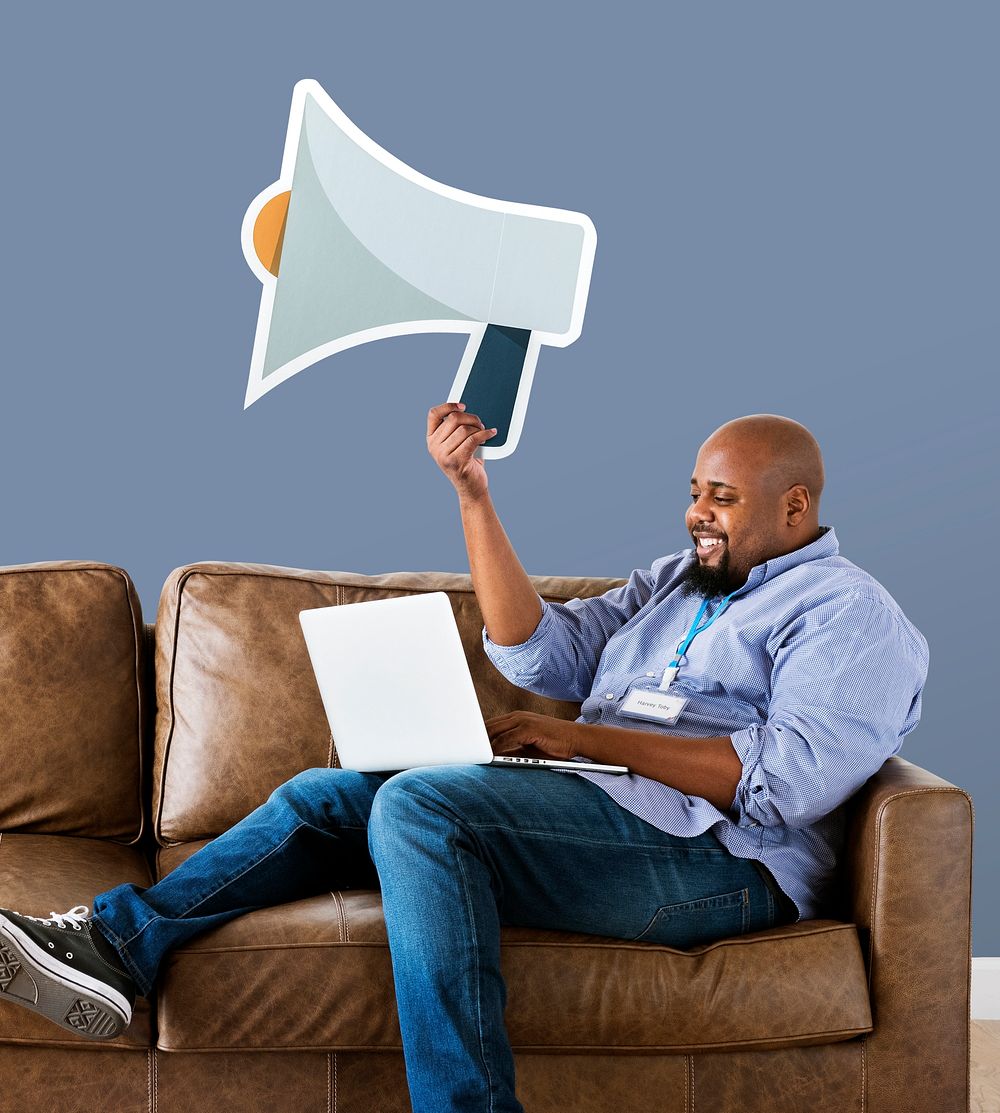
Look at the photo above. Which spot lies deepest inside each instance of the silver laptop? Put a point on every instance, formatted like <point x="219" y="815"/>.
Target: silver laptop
<point x="397" y="689"/>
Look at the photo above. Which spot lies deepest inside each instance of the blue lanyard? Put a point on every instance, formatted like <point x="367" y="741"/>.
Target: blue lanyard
<point x="696" y="628"/>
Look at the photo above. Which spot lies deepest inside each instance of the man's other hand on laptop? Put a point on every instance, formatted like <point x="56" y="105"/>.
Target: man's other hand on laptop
<point x="524" y="732"/>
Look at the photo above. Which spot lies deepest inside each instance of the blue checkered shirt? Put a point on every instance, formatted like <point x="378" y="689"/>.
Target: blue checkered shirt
<point x="813" y="670"/>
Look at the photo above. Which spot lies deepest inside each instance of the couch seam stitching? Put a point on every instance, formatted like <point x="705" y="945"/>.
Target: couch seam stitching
<point x="735" y="942"/>
<point x="193" y="949"/>
<point x="139" y="633"/>
<point x="188" y="952"/>
<point x="864" y="1076"/>
<point x="336" y="1100"/>
<point x="338" y="904"/>
<point x="157" y="818"/>
<point x="792" y="1043"/>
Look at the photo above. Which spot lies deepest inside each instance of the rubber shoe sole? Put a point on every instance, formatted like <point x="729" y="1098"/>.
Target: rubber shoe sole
<point x="80" y="1004"/>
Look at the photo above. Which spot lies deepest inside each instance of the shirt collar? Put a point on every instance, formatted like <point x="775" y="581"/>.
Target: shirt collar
<point x="826" y="545"/>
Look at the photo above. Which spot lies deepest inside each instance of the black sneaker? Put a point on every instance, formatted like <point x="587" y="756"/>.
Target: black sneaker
<point x="66" y="970"/>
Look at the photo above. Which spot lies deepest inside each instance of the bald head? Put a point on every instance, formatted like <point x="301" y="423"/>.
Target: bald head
<point x="754" y="496"/>
<point x="780" y="450"/>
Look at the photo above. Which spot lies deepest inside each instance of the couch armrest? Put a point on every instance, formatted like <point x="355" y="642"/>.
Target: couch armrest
<point x="909" y="890"/>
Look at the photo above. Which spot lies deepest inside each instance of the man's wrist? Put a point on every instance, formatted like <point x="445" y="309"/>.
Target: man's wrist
<point x="585" y="738"/>
<point x="468" y="500"/>
<point x="574" y="736"/>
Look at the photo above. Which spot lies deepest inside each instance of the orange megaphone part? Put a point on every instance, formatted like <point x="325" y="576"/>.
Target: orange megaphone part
<point x="269" y="231"/>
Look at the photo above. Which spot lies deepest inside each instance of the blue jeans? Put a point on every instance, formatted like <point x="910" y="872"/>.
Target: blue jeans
<point x="464" y="848"/>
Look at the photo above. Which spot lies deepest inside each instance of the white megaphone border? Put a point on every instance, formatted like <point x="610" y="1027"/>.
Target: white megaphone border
<point x="257" y="387"/>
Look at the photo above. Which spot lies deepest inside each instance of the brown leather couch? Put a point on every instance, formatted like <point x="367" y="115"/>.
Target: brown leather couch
<point x="291" y="1008"/>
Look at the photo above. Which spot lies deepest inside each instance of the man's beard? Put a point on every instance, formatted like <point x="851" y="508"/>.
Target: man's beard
<point x="708" y="580"/>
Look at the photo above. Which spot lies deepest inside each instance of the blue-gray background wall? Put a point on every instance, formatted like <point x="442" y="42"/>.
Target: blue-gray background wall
<point x="796" y="208"/>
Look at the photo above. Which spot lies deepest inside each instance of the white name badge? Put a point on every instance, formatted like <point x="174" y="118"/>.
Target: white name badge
<point x="657" y="706"/>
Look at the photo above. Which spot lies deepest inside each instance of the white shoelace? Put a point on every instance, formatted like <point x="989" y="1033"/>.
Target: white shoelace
<point x="74" y="918"/>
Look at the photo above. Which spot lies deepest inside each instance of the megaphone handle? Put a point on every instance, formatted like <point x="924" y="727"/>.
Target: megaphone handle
<point x="494" y="380"/>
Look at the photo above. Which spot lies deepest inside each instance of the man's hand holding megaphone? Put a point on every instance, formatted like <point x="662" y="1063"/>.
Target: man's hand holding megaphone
<point x="452" y="439"/>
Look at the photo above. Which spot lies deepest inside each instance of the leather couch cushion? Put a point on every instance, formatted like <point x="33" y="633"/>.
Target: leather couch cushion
<point x="239" y="711"/>
<point x="70" y="704"/>
<point x="40" y="874"/>
<point x="315" y="974"/>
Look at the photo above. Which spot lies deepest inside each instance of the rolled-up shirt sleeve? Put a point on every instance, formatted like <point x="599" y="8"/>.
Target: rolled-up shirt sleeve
<point x="560" y="658"/>
<point x="845" y="690"/>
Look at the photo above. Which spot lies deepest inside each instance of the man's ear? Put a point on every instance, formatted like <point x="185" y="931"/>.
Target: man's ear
<point x="797" y="503"/>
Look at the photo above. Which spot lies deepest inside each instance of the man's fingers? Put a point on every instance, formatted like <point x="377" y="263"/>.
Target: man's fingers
<point x="437" y="414"/>
<point x="448" y="426"/>
<point x="452" y="444"/>
<point x="514" y="736"/>
<point x="507" y="721"/>
<point x="451" y="424"/>
<point x="496" y="726"/>
<point x="504" y="744"/>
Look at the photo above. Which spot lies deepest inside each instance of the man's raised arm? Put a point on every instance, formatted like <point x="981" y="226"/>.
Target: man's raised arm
<point x="510" y="605"/>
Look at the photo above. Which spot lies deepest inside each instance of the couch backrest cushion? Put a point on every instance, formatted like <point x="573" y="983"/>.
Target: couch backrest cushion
<point x="239" y="711"/>
<point x="71" y="701"/>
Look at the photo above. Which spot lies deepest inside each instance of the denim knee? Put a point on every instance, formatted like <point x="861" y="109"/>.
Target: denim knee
<point x="329" y="798"/>
<point x="401" y="804"/>
<point x="394" y="797"/>
<point x="299" y="792"/>
<point x="325" y="797"/>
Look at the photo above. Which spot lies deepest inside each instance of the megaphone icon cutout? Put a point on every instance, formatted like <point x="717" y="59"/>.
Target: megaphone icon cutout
<point x="352" y="245"/>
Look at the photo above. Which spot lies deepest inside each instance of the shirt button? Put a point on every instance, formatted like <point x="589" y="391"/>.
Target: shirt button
<point x="651" y="674"/>
<point x="610" y="695"/>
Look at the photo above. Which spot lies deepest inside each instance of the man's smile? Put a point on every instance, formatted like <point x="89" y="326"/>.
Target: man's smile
<point x="708" y="544"/>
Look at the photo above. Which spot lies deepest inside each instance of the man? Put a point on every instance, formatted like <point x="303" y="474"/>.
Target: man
<point x="751" y="685"/>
